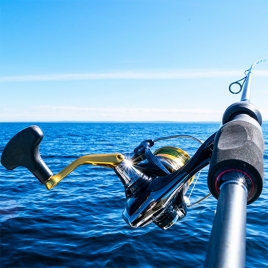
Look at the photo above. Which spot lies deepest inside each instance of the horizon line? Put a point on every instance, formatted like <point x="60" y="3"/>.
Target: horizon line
<point x="157" y="121"/>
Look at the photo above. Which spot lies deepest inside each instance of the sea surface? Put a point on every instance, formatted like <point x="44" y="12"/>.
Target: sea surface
<point x="79" y="222"/>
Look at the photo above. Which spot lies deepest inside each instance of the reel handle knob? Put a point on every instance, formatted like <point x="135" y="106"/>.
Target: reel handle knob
<point x="23" y="150"/>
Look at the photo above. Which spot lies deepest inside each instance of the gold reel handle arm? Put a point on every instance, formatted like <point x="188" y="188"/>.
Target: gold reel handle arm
<point x="104" y="160"/>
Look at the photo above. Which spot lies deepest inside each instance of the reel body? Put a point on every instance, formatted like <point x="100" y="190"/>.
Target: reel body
<point x="160" y="207"/>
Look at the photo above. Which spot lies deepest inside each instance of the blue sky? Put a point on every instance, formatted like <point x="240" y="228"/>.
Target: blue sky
<point x="129" y="60"/>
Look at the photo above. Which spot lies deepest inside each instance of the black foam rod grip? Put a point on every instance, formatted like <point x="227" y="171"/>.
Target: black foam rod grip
<point x="23" y="150"/>
<point x="238" y="144"/>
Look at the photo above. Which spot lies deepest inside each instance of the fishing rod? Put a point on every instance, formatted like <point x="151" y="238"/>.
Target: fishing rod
<point x="156" y="182"/>
<point x="235" y="177"/>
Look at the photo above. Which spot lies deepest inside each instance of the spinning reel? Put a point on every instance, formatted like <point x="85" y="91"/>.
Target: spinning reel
<point x="155" y="183"/>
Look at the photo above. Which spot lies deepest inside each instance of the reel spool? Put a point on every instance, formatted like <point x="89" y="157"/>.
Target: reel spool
<point x="172" y="158"/>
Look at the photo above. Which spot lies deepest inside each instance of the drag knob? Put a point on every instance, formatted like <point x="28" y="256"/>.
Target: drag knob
<point x="23" y="150"/>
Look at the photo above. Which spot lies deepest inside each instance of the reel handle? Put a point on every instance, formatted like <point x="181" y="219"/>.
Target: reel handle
<point x="23" y="150"/>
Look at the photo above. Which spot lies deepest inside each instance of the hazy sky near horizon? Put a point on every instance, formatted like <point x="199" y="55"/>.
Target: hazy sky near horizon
<point x="129" y="60"/>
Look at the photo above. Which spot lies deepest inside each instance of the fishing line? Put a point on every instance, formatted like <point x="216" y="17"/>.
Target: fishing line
<point x="197" y="177"/>
<point x="178" y="136"/>
<point x="200" y="200"/>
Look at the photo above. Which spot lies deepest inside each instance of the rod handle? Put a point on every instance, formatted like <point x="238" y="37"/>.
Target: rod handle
<point x="238" y="147"/>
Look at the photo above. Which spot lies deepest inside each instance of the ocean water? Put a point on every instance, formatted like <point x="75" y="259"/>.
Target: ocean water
<point x="79" y="222"/>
